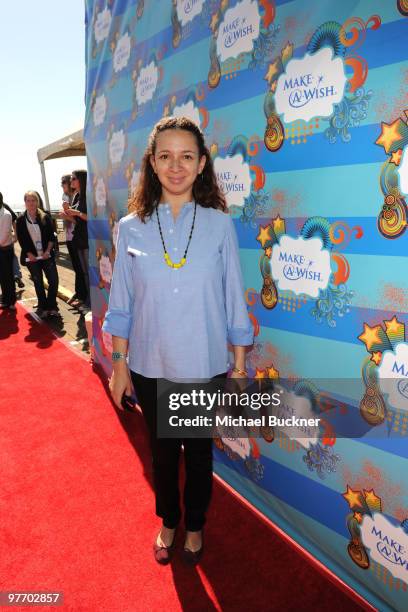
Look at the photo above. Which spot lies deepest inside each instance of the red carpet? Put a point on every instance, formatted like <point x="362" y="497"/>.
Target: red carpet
<point x="77" y="505"/>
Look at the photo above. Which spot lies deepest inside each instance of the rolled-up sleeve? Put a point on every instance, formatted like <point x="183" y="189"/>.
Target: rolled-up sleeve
<point x="239" y="326"/>
<point x="118" y="319"/>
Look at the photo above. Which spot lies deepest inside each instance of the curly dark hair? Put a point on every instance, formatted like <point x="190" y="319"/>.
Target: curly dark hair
<point x="206" y="191"/>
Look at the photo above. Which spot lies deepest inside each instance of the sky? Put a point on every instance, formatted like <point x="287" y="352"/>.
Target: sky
<point x="42" y="80"/>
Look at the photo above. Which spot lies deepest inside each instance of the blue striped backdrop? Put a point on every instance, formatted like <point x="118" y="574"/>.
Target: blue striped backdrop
<point x="327" y="174"/>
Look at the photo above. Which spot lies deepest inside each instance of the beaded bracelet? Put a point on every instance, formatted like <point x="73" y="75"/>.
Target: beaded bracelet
<point x="240" y="372"/>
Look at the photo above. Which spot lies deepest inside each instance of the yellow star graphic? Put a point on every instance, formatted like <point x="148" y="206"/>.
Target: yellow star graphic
<point x="287" y="52"/>
<point x="278" y="225"/>
<point x="370" y="336"/>
<point x="272" y="373"/>
<point x="353" y="498"/>
<point x="372" y="499"/>
<point x="394" y="326"/>
<point x="214" y="22"/>
<point x="376" y="357"/>
<point x="396" y="157"/>
<point x="263" y="235"/>
<point x="358" y="516"/>
<point x="259" y="373"/>
<point x="389" y="134"/>
<point x="213" y="149"/>
<point x="273" y="70"/>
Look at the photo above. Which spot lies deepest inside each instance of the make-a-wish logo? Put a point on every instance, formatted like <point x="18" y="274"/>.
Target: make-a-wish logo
<point x="146" y="83"/>
<point x="100" y="193"/>
<point x="105" y="269"/>
<point x="188" y="9"/>
<point x="99" y="110"/>
<point x="393" y="376"/>
<point x="403" y="172"/>
<point x="134" y="181"/>
<point x="121" y="54"/>
<point x="388" y="545"/>
<point x="310" y="86"/>
<point x="301" y="265"/>
<point x="117" y="147"/>
<point x="238" y="30"/>
<point x="115" y="232"/>
<point x="234" y="178"/>
<point x="102" y="25"/>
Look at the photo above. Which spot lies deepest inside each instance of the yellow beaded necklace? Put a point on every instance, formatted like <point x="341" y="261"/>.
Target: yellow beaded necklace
<point x="167" y="257"/>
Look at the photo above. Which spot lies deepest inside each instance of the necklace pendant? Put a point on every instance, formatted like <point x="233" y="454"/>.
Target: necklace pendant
<point x="175" y="266"/>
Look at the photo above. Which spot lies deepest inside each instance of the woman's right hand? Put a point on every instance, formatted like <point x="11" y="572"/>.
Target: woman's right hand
<point x="31" y="257"/>
<point x="120" y="383"/>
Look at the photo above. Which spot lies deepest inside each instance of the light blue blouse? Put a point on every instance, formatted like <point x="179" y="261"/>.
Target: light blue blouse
<point x="178" y="321"/>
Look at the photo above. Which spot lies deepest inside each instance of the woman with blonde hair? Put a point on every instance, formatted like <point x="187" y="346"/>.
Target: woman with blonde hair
<point x="35" y="234"/>
<point x="176" y="300"/>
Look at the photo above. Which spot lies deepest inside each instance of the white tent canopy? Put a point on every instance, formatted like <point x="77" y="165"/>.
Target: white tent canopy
<point x="68" y="146"/>
<point x="64" y="147"/>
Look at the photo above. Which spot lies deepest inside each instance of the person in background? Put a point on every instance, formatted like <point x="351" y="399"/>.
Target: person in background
<point x="8" y="288"/>
<point x="18" y="277"/>
<point x="78" y="212"/>
<point x="53" y="221"/>
<point x="67" y="197"/>
<point x="36" y="237"/>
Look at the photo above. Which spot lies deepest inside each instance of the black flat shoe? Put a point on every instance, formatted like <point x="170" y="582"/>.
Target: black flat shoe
<point x="163" y="554"/>
<point x="192" y="557"/>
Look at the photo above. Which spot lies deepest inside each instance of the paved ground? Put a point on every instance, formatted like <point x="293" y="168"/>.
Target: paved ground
<point x="71" y="325"/>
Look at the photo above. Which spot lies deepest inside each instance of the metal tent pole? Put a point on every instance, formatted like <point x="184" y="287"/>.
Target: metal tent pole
<point x="44" y="185"/>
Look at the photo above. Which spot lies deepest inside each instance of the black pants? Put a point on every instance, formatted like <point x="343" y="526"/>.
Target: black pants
<point x="83" y="255"/>
<point x="165" y="458"/>
<point x="80" y="286"/>
<point x="8" y="288"/>
<point x="48" y="266"/>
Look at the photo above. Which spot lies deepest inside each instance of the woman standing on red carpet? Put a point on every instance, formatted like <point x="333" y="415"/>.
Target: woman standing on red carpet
<point x="176" y="300"/>
<point x="36" y="236"/>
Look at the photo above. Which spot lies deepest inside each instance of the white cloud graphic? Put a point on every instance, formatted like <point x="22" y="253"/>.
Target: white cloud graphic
<point x="188" y="9"/>
<point x="117" y="146"/>
<point x="388" y="545"/>
<point x="115" y="231"/>
<point x="234" y="178"/>
<point x="121" y="54"/>
<point x="105" y="269"/>
<point x="107" y="341"/>
<point x="134" y="180"/>
<point x="188" y="110"/>
<point x="238" y="29"/>
<point x="102" y="25"/>
<point x="235" y="437"/>
<point x="146" y="83"/>
<point x="99" y="110"/>
<point x="298" y="406"/>
<point x="301" y="265"/>
<point x="310" y="86"/>
<point x="393" y="376"/>
<point x="100" y="193"/>
<point x="403" y="172"/>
